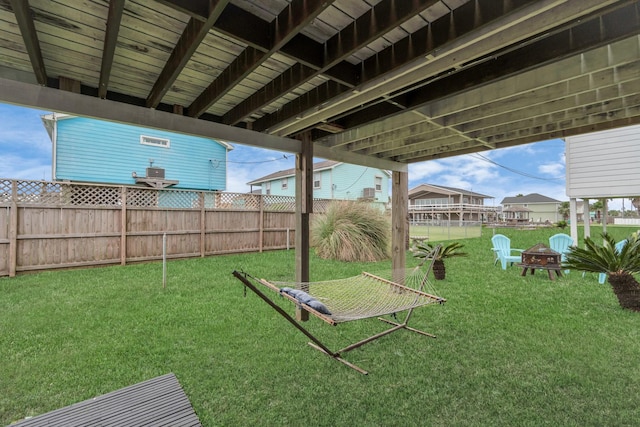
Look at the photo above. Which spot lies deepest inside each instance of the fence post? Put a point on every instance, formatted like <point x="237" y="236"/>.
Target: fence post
<point x="13" y="229"/>
<point x="123" y="226"/>
<point x="261" y="223"/>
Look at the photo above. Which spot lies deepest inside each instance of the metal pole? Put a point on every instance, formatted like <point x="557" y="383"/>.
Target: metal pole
<point x="164" y="260"/>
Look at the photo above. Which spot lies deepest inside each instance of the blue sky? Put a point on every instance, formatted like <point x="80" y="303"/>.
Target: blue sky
<point x="25" y="152"/>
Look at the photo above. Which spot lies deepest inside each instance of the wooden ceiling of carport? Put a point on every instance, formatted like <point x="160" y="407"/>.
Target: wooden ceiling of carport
<point x="380" y="82"/>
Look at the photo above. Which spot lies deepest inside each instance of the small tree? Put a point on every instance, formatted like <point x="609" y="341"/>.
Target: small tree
<point x="564" y="210"/>
<point x="620" y="266"/>
<point x="351" y="231"/>
<point x="425" y="251"/>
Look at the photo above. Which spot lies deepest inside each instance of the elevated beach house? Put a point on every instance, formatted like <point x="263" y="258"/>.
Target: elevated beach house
<point x="332" y="180"/>
<point x="430" y="203"/>
<point x="93" y="151"/>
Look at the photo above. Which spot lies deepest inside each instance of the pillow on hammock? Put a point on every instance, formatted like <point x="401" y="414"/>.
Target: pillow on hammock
<point x="318" y="306"/>
<point x="307" y="299"/>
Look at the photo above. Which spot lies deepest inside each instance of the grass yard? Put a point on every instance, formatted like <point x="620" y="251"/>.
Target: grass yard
<point x="511" y="350"/>
<point x="437" y="233"/>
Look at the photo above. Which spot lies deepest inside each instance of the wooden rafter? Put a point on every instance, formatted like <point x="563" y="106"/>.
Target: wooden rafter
<point x="540" y="51"/>
<point x="191" y="37"/>
<point x="417" y="45"/>
<point x="289" y="23"/>
<point x="328" y="58"/>
<point x="22" y="13"/>
<point x="110" y="40"/>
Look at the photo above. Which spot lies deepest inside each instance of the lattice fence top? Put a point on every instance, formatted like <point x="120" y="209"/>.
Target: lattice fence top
<point x="46" y="193"/>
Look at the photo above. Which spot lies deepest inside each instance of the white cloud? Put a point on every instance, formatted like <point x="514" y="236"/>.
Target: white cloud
<point x="425" y="170"/>
<point x="21" y="167"/>
<point x="552" y="170"/>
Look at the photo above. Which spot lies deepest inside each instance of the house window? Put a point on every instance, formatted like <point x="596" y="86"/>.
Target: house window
<point x="316" y="180"/>
<point x="267" y="186"/>
<point x="285" y="183"/>
<point x="378" y="183"/>
<point x="152" y="140"/>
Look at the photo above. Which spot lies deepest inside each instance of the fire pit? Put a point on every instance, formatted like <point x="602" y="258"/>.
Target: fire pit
<point x="541" y="257"/>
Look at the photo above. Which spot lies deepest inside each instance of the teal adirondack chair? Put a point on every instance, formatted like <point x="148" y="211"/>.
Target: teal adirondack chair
<point x="561" y="243"/>
<point x="503" y="251"/>
<point x="602" y="277"/>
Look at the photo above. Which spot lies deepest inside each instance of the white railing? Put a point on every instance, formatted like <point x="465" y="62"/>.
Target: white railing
<point x="454" y="207"/>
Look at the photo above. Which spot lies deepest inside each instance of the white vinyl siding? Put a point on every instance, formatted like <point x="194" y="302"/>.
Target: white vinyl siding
<point x="604" y="164"/>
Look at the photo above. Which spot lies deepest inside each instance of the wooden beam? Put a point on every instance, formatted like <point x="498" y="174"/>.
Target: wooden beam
<point x="389" y="61"/>
<point x="240" y="68"/>
<point x="479" y="43"/>
<point x="23" y="15"/>
<point x="569" y="42"/>
<point x="45" y="98"/>
<point x="191" y="37"/>
<point x="109" y="47"/>
<point x="368" y="27"/>
<point x="198" y="9"/>
<point x="399" y="223"/>
<point x="29" y="95"/>
<point x="284" y="83"/>
<point x="304" y="209"/>
<point x="295" y="16"/>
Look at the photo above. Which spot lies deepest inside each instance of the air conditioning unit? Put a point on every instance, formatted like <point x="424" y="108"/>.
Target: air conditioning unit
<point x="155" y="173"/>
<point x="369" y="192"/>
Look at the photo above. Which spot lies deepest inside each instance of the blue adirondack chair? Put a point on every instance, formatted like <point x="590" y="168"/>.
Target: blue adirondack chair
<point x="561" y="243"/>
<point x="503" y="251"/>
<point x="603" y="276"/>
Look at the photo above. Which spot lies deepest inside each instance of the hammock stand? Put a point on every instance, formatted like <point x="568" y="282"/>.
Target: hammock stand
<point x="417" y="295"/>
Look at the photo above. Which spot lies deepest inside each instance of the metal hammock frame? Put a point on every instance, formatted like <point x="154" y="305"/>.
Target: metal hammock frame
<point x="420" y="298"/>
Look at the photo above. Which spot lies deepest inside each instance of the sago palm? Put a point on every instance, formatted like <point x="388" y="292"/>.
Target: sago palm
<point x="620" y="265"/>
<point x="425" y="251"/>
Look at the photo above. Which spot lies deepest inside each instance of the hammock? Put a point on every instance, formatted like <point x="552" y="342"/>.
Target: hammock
<point x="355" y="298"/>
<point x="359" y="297"/>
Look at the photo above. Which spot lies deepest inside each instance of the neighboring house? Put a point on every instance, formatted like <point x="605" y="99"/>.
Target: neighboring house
<point x="89" y="150"/>
<point x="516" y="215"/>
<point x="429" y="202"/>
<point x="332" y="180"/>
<point x="539" y="208"/>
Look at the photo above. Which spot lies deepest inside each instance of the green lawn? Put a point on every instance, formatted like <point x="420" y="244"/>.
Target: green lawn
<point x="511" y="350"/>
<point x="444" y="232"/>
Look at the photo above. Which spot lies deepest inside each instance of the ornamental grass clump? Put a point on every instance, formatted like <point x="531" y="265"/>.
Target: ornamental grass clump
<point x="352" y="231"/>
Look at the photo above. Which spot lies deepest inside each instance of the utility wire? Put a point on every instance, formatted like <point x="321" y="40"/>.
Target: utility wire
<point x="518" y="172"/>
<point x="284" y="157"/>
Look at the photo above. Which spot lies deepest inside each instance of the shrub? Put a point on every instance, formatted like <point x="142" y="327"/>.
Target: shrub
<point x="351" y="231"/>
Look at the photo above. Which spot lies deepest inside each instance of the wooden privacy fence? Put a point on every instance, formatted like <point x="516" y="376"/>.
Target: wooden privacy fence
<point x="48" y="225"/>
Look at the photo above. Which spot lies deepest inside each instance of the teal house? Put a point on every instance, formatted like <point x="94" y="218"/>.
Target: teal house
<point x="331" y="180"/>
<point x="94" y="151"/>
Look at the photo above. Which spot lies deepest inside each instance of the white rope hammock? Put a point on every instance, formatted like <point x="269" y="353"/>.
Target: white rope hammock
<point x="359" y="297"/>
<point x="353" y="298"/>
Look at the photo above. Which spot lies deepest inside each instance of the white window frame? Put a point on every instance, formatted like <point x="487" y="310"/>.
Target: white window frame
<point x="317" y="179"/>
<point x="155" y="141"/>
<point x="375" y="183"/>
<point x="285" y="183"/>
<point x="267" y="189"/>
